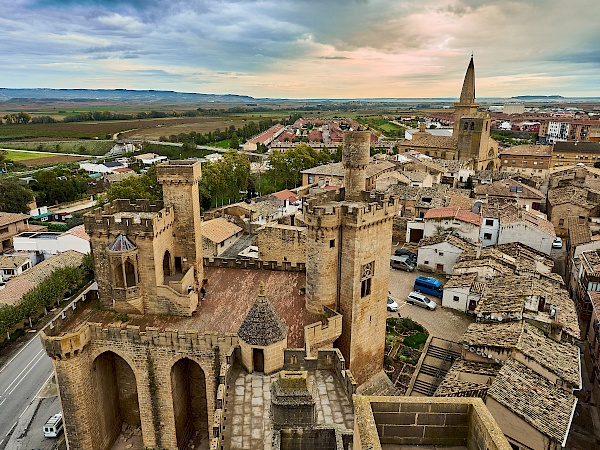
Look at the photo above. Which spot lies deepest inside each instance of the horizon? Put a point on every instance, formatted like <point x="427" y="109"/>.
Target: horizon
<point x="317" y="50"/>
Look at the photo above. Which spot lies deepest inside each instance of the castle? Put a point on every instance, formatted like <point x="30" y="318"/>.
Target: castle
<point x="149" y="355"/>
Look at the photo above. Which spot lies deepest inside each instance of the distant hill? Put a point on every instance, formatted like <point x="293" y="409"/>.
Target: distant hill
<point x="538" y="97"/>
<point x="150" y="96"/>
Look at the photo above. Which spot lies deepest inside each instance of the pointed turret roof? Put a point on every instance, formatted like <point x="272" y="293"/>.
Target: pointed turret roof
<point x="121" y="244"/>
<point x="262" y="325"/>
<point x="467" y="95"/>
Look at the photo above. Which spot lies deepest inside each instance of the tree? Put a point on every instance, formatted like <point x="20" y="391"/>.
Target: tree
<point x="14" y="198"/>
<point x="235" y="142"/>
<point x="469" y="183"/>
<point x="143" y="186"/>
<point x="224" y="178"/>
<point x="286" y="167"/>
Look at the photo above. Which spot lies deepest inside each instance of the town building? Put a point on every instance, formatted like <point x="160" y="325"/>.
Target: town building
<point x="440" y="252"/>
<point x="571" y="153"/>
<point x="264" y="138"/>
<point x="510" y="190"/>
<point x="46" y="244"/>
<point x="333" y="174"/>
<point x="554" y="130"/>
<point x="218" y="235"/>
<point x="567" y="201"/>
<point x="461" y="222"/>
<point x="13" y="265"/>
<point x="12" y="224"/>
<point x="530" y="159"/>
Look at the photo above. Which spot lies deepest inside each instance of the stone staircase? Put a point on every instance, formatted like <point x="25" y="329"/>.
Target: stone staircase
<point x="435" y="362"/>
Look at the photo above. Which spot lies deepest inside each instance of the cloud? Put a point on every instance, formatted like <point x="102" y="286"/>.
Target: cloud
<point x="339" y="48"/>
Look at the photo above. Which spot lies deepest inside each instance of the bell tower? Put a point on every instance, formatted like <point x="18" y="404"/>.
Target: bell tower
<point x="466" y="105"/>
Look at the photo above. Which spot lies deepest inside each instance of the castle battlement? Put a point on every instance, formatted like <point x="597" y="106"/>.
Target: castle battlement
<point x="65" y="346"/>
<point x="178" y="172"/>
<point x="129" y="218"/>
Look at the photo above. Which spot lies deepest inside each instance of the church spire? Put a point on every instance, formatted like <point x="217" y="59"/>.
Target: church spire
<point x="467" y="95"/>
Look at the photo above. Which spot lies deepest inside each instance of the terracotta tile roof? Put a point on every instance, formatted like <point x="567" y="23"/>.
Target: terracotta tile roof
<point x="268" y="134"/>
<point x="12" y="261"/>
<point x="449" y="238"/>
<point x="532" y="397"/>
<point x="453" y="386"/>
<point x="454" y="213"/>
<point x="8" y="218"/>
<point x="286" y="194"/>
<point x="420" y="139"/>
<point x="464" y="280"/>
<point x="21" y="284"/>
<point x="571" y="194"/>
<point x="219" y="229"/>
<point x="79" y="231"/>
<point x="560" y="359"/>
<point x="591" y="261"/>
<point x="527" y="150"/>
<point x="499" y="335"/>
<point x="337" y="169"/>
<point x="579" y="231"/>
<point x="503" y="189"/>
<point x="414" y="176"/>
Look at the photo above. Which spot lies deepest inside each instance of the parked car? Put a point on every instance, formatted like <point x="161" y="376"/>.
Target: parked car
<point x="557" y="243"/>
<point x="414" y="298"/>
<point x="392" y="305"/>
<point x="429" y="286"/>
<point x="402" y="263"/>
<point x="402" y="252"/>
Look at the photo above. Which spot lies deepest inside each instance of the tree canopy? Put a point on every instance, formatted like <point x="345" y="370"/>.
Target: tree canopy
<point x="224" y="178"/>
<point x="134" y="187"/>
<point x="286" y="167"/>
<point x="14" y="197"/>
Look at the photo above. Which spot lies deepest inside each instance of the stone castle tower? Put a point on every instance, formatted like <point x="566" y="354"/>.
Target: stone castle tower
<point x="148" y="257"/>
<point x="472" y="128"/>
<point x="347" y="266"/>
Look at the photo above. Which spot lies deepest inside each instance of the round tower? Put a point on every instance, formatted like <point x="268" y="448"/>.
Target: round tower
<point x="356" y="153"/>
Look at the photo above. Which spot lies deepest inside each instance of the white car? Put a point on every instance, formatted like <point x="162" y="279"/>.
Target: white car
<point x="557" y="243"/>
<point x="415" y="298"/>
<point x="392" y="305"/>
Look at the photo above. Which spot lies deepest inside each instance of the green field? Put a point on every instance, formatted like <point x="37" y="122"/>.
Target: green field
<point x="22" y="156"/>
<point x="85" y="147"/>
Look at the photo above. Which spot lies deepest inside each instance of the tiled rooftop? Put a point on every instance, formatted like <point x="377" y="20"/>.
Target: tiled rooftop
<point x="579" y="231"/>
<point x="427" y="140"/>
<point x="21" y="284"/>
<point x="449" y="238"/>
<point x="465" y="280"/>
<point x="8" y="218"/>
<point x="454" y="213"/>
<point x="337" y="169"/>
<point x="561" y="359"/>
<point x="527" y="150"/>
<point x="230" y="295"/>
<point x="503" y="189"/>
<point x="532" y="397"/>
<point x="12" y="261"/>
<point x="500" y="335"/>
<point x="219" y="229"/>
<point x="570" y="194"/>
<point x="591" y="261"/>
<point x="454" y="385"/>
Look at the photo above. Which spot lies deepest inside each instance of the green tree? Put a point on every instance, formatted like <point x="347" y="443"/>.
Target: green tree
<point x="234" y="142"/>
<point x="143" y="186"/>
<point x="286" y="167"/>
<point x="14" y="197"/>
<point x="224" y="178"/>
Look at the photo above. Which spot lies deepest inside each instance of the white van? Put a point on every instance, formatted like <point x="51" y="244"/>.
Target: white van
<point x="402" y="263"/>
<point x="414" y="298"/>
<point x="54" y="426"/>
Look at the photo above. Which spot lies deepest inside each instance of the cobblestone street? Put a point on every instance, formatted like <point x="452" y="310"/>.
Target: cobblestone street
<point x="443" y="322"/>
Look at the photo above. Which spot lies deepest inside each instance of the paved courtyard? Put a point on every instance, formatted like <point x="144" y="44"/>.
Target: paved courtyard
<point x="445" y="323"/>
<point x="248" y="406"/>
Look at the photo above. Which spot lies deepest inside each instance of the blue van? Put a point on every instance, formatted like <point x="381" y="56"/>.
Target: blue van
<point x="429" y="286"/>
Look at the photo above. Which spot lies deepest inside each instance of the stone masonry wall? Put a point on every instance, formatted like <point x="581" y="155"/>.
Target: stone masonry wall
<point x="282" y="243"/>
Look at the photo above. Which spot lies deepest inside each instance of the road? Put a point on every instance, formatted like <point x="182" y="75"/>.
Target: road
<point x="20" y="381"/>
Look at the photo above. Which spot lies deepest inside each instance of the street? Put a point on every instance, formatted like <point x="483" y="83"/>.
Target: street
<point x="20" y="381"/>
<point x="442" y="322"/>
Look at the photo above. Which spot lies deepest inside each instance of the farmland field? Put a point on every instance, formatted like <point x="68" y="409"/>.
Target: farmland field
<point x="23" y="156"/>
<point x="85" y="147"/>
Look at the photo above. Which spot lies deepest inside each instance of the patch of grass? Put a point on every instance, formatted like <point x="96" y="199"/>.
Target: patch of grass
<point x="222" y="144"/>
<point x="23" y="156"/>
<point x="85" y="147"/>
<point x="416" y="340"/>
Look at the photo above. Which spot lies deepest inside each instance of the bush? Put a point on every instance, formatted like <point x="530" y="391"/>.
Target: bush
<point x="416" y="340"/>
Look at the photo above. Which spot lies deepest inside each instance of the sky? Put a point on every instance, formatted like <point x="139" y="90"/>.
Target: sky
<point x="304" y="48"/>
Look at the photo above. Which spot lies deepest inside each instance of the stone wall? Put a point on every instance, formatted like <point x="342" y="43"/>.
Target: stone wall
<point x="318" y="438"/>
<point x="322" y="334"/>
<point x="282" y="243"/>
<point x="234" y="263"/>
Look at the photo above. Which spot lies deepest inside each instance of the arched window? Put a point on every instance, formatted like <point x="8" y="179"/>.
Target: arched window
<point x="167" y="264"/>
<point x="130" y="275"/>
<point x="466" y="125"/>
<point x="472" y="125"/>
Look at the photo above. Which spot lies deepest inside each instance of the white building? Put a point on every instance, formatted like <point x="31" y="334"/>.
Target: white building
<point x="440" y="253"/>
<point x="149" y="159"/>
<point x="13" y="265"/>
<point x="461" y="292"/>
<point x="50" y="243"/>
<point x="460" y="222"/>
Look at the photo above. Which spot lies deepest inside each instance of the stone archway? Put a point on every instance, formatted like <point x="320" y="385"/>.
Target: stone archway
<point x="491" y="166"/>
<point x="167" y="272"/>
<point x="188" y="388"/>
<point x="115" y="398"/>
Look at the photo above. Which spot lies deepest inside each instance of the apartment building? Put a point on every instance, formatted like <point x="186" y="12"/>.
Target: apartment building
<point x="529" y="159"/>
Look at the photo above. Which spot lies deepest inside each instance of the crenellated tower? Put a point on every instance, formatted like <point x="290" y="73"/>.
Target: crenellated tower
<point x="347" y="269"/>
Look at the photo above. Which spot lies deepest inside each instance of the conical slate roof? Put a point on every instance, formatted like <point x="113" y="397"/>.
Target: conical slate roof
<point x="121" y="244"/>
<point x="262" y="325"/>
<point x="467" y="95"/>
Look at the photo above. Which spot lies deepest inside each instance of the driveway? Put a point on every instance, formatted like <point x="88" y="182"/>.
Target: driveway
<point x="444" y="323"/>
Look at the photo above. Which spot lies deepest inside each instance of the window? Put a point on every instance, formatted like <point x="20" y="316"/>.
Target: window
<point x="9" y="271"/>
<point x="472" y="125"/>
<point x="514" y="161"/>
<point x="367" y="275"/>
<point x="311" y="179"/>
<point x="506" y="161"/>
<point x="535" y="163"/>
<point x="455" y="298"/>
<point x="489" y="222"/>
<point x="441" y="253"/>
<point x="561" y="222"/>
<point x="331" y="243"/>
<point x="466" y="125"/>
<point x="426" y="262"/>
<point x="487" y="236"/>
<point x="3" y="230"/>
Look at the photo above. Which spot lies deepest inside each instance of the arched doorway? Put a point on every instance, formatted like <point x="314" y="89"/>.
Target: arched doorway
<point x="167" y="264"/>
<point x="116" y="398"/>
<point x="130" y="275"/>
<point x="490" y="166"/>
<point x="188" y="387"/>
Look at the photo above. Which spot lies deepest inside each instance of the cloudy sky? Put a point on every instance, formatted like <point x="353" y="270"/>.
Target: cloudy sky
<point x="304" y="48"/>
